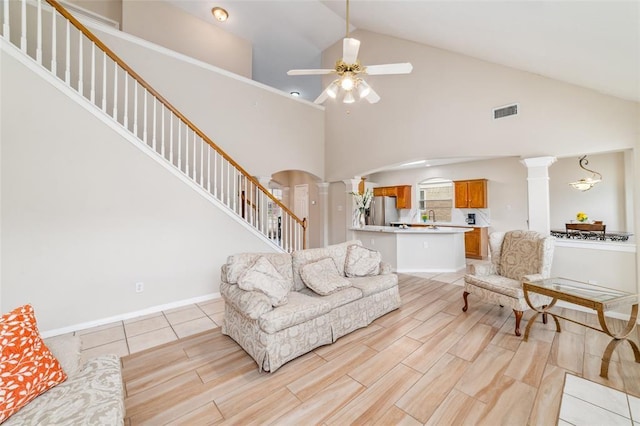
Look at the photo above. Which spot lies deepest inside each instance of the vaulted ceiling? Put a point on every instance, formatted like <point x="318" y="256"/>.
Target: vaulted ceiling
<point x="594" y="44"/>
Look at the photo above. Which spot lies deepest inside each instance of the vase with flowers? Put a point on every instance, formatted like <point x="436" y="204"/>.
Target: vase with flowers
<point x="362" y="202"/>
<point x="582" y="217"/>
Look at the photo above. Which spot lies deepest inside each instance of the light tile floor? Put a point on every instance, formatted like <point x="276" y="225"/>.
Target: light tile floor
<point x="588" y="403"/>
<point x="137" y="334"/>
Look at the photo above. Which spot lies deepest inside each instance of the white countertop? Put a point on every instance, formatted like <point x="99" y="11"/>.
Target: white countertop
<point x="440" y="224"/>
<point x="417" y="230"/>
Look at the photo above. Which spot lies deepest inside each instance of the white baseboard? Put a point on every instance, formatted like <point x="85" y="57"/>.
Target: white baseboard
<point x="129" y="315"/>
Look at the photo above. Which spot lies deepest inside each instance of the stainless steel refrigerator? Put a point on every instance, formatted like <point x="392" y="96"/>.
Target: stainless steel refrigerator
<point x="383" y="211"/>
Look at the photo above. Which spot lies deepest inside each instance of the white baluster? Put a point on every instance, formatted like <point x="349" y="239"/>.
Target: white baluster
<point x="144" y="115"/>
<point x="126" y="101"/>
<point x="104" y="81"/>
<point x="208" y="169"/>
<point x="39" y="33"/>
<point x="93" y="73"/>
<point x="80" y="65"/>
<point x="186" y="148"/>
<point x="54" y="51"/>
<point x="155" y="126"/>
<point x="115" y="90"/>
<point x="201" y="161"/>
<point x="6" y="30"/>
<point x="180" y="151"/>
<point x="234" y="189"/>
<point x="23" y="34"/>
<point x="215" y="174"/>
<point x="135" y="108"/>
<point x="163" y="130"/>
<point x="193" y="169"/>
<point x="221" y="198"/>
<point x="67" y="63"/>
<point x="171" y="135"/>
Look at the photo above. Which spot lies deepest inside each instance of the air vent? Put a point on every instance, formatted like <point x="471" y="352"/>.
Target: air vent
<point x="505" y="111"/>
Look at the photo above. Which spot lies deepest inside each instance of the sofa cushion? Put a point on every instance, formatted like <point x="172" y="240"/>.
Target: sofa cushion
<point x="337" y="298"/>
<point x="322" y="276"/>
<point x="361" y="262"/>
<point x="238" y="263"/>
<point x="521" y="254"/>
<point x="251" y="304"/>
<point x="27" y="367"/>
<point x="94" y="396"/>
<point x="374" y="284"/>
<point x="66" y="348"/>
<point x="300" y="308"/>
<point x="337" y="252"/>
<point x="262" y="276"/>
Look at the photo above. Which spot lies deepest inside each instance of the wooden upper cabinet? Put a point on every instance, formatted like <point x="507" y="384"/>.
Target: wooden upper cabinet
<point x="403" y="197"/>
<point x="471" y="194"/>
<point x="401" y="192"/>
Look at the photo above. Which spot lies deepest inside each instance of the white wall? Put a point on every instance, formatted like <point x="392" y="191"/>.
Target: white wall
<point x="111" y="9"/>
<point x="85" y="215"/>
<point x="173" y="28"/>
<point x="444" y="109"/>
<point x="265" y="131"/>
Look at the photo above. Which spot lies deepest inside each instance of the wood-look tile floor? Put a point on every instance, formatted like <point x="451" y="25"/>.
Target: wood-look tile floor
<point x="425" y="363"/>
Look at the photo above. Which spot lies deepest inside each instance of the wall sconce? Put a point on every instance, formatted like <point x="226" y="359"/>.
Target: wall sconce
<point x="586" y="184"/>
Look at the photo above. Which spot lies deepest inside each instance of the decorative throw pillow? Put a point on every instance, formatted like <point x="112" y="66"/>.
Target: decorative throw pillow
<point x="27" y="367"/>
<point x="322" y="276"/>
<point x="262" y="276"/>
<point x="361" y="262"/>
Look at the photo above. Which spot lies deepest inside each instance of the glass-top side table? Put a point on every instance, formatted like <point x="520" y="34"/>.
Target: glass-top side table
<point x="600" y="299"/>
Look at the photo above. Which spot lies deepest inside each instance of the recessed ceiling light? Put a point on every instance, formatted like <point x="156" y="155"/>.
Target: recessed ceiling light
<point x="295" y="94"/>
<point x="220" y="14"/>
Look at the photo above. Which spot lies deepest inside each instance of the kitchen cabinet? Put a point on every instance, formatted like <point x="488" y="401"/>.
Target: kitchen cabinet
<point x="470" y="194"/>
<point x="476" y="243"/>
<point x="401" y="192"/>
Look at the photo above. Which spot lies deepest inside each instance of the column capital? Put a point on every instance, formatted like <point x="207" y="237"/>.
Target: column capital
<point x="538" y="161"/>
<point x="352" y="184"/>
<point x="323" y="187"/>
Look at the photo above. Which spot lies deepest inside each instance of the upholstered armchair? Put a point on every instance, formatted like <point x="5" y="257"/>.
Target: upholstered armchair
<point x="516" y="256"/>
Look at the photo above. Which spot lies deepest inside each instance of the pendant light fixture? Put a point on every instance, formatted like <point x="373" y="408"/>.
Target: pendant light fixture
<point x="587" y="183"/>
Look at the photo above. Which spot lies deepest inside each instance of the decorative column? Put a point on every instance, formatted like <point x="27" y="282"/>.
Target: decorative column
<point x="323" y="192"/>
<point x="351" y="186"/>
<point x="538" y="193"/>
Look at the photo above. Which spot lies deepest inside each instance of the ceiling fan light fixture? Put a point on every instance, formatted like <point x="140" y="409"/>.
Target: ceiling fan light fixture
<point x="332" y="90"/>
<point x="347" y="82"/>
<point x="220" y="14"/>
<point x="363" y="89"/>
<point x="348" y="98"/>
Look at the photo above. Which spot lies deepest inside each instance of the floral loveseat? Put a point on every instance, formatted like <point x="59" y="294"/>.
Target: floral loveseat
<point x="278" y="316"/>
<point x="46" y="382"/>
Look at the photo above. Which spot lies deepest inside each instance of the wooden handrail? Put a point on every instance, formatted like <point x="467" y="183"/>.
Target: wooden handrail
<point x="57" y="6"/>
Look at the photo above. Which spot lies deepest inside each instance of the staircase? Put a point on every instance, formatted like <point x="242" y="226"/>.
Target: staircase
<point x="49" y="35"/>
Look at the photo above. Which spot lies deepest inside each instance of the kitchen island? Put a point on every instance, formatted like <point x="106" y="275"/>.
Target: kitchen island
<point x="417" y="249"/>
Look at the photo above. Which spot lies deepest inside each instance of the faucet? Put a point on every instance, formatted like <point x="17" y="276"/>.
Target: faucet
<point x="432" y="216"/>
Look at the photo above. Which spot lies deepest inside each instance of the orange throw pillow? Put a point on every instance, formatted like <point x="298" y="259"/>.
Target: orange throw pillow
<point x="27" y="367"/>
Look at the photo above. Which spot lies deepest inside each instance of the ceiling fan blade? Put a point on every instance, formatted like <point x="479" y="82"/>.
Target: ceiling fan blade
<point x="323" y="96"/>
<point x="403" y="68"/>
<point x="372" y="97"/>
<point x="350" y="47"/>
<point x="309" y="72"/>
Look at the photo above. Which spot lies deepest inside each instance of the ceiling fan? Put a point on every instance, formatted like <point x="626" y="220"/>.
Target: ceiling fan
<point x="350" y="73"/>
